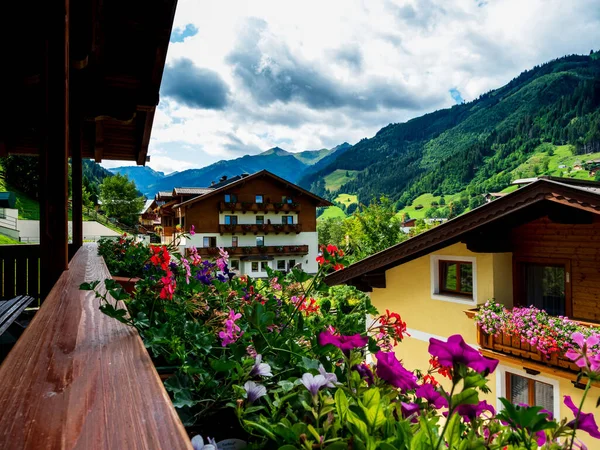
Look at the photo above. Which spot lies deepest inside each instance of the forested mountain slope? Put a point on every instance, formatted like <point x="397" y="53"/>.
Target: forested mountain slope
<point x="476" y="145"/>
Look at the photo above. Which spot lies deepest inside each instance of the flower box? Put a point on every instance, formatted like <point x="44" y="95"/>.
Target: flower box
<point x="127" y="283"/>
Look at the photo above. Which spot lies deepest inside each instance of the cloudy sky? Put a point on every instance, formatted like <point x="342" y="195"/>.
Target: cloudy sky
<point x="245" y="76"/>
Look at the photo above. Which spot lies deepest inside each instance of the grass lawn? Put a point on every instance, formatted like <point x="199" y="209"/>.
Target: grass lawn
<point x="331" y="212"/>
<point x="339" y="177"/>
<point x="346" y="199"/>
<point x="5" y="240"/>
<point x="563" y="156"/>
<point x="425" y="200"/>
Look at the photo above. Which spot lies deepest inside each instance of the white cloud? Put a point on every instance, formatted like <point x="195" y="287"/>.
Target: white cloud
<point x="380" y="53"/>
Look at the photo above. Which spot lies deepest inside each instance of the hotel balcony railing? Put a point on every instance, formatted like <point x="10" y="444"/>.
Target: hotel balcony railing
<point x="77" y="378"/>
<point x="270" y="250"/>
<point x="265" y="228"/>
<point x="245" y="207"/>
<point x="512" y="346"/>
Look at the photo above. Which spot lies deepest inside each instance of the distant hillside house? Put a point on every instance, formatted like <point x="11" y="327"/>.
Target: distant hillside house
<point x="537" y="246"/>
<point x="261" y="220"/>
<point x="491" y="196"/>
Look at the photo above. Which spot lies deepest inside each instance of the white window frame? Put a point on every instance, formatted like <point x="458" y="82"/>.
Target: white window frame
<point x="501" y="371"/>
<point x="435" y="279"/>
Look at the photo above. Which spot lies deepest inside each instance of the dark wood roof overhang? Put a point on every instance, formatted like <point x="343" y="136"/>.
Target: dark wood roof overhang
<point x="485" y="229"/>
<point x="117" y="55"/>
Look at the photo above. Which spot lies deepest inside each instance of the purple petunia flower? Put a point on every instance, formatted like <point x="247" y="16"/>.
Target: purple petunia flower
<point x="329" y="376"/>
<point x="313" y="383"/>
<point x="364" y="372"/>
<point x="260" y="368"/>
<point x="456" y="351"/>
<point x="471" y="412"/>
<point x="410" y="411"/>
<point x="390" y="370"/>
<point x="254" y="391"/>
<point x="432" y="395"/>
<point x="344" y="343"/>
<point x="586" y="421"/>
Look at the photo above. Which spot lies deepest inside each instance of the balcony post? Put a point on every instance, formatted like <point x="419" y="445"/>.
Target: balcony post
<point x="54" y="148"/>
<point x="76" y="188"/>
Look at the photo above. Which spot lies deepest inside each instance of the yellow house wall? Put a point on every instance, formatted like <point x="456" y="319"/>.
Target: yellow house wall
<point x="408" y="292"/>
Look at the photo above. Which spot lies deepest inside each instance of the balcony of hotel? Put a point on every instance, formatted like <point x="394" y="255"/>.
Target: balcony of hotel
<point x="258" y="228"/>
<point x="511" y="348"/>
<point x="245" y="207"/>
<point x="271" y="250"/>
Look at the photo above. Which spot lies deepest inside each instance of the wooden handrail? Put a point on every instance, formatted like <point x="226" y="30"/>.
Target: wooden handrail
<point x="79" y="379"/>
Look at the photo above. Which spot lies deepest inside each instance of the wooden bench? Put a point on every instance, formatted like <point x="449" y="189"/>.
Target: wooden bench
<point x="78" y="379"/>
<point x="11" y="309"/>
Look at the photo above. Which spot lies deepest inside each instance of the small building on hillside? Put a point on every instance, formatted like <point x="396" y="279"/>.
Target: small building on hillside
<point x="537" y="246"/>
<point x="408" y="225"/>
<point x="261" y="220"/>
<point x="491" y="196"/>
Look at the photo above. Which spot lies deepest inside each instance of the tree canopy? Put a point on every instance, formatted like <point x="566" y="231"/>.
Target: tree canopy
<point x="121" y="199"/>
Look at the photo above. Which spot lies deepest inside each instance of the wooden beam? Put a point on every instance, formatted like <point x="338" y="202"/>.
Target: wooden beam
<point x="99" y="147"/>
<point x="54" y="149"/>
<point x="77" y="186"/>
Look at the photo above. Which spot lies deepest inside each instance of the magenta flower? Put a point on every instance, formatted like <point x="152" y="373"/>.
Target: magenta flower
<point x="344" y="343"/>
<point x="457" y="351"/>
<point x="432" y="395"/>
<point x="232" y="330"/>
<point x="391" y="370"/>
<point x="584" y="356"/>
<point x="364" y="372"/>
<point x="192" y="230"/>
<point x="410" y="411"/>
<point x="471" y="412"/>
<point x="586" y="421"/>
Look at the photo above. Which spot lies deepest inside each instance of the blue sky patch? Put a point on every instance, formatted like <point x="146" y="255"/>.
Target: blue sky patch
<point x="179" y="34"/>
<point x="455" y="93"/>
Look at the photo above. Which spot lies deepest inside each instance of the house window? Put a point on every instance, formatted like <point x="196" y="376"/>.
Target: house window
<point x="260" y="220"/>
<point x="234" y="241"/>
<point x="231" y="220"/>
<point x="258" y="199"/>
<point x="281" y="264"/>
<point x="254" y="266"/>
<point x="260" y="241"/>
<point x="287" y="200"/>
<point x="209" y="242"/>
<point x="454" y="278"/>
<point x="287" y="220"/>
<point x="291" y="264"/>
<point x="263" y="266"/>
<point x="230" y="198"/>
<point x="524" y="390"/>
<point x="235" y="264"/>
<point x="544" y="285"/>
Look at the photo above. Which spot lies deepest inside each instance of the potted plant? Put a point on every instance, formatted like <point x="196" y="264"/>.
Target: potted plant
<point x="125" y="259"/>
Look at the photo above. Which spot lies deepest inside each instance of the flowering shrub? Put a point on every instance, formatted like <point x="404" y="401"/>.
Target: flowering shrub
<point x="345" y="403"/>
<point x="124" y="256"/>
<point x="546" y="333"/>
<point x="216" y="330"/>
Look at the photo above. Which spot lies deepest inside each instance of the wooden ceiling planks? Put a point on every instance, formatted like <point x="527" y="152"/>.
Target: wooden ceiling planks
<point x="117" y="57"/>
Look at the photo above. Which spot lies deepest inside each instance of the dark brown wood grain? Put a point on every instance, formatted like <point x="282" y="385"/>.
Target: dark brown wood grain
<point x="77" y="379"/>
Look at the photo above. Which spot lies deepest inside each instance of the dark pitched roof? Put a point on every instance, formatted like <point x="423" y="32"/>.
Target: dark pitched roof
<point x="234" y="181"/>
<point x="191" y="191"/>
<point x="582" y="196"/>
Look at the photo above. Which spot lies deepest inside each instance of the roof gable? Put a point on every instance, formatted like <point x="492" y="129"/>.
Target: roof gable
<point x="229" y="184"/>
<point x="522" y="204"/>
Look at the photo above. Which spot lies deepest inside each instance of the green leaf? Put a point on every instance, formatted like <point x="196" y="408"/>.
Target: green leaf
<point x="386" y="446"/>
<point x="341" y="404"/>
<point x="359" y="426"/>
<point x="337" y="446"/>
<point x="452" y="434"/>
<point x="286" y="385"/>
<point x="220" y="365"/>
<point x="371" y="397"/>
<point x="475" y="381"/>
<point x="467" y="397"/>
<point x="312" y="431"/>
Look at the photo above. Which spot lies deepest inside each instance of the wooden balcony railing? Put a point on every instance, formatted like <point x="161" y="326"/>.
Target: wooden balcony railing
<point x="245" y="207"/>
<point x="250" y="251"/>
<point x="266" y="228"/>
<point x="77" y="378"/>
<point x="512" y="346"/>
<point x="20" y="271"/>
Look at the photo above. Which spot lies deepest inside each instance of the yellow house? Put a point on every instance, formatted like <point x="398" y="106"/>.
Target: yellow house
<point x="539" y="245"/>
